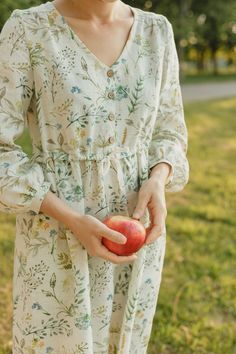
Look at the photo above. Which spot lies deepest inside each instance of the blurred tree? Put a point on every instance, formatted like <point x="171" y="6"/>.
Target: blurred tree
<point x="7" y="6"/>
<point x="212" y="26"/>
<point x="229" y="40"/>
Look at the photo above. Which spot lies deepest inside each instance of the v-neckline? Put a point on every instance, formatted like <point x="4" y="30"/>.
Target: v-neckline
<point x="82" y="44"/>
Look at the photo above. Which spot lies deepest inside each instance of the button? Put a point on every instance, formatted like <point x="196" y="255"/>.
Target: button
<point x="111" y="140"/>
<point x="111" y="116"/>
<point x="111" y="94"/>
<point x="110" y="73"/>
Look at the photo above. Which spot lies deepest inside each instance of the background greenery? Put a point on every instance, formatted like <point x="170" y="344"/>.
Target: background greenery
<point x="196" y="311"/>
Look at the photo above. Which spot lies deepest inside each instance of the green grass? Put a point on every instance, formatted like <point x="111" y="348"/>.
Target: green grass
<point x="202" y="78"/>
<point x="196" y="310"/>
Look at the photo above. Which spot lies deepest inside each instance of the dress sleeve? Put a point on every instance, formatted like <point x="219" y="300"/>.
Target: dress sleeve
<point x="22" y="183"/>
<point x="169" y="138"/>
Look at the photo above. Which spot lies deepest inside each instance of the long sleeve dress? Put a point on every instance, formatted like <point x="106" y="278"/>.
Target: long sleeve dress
<point x="96" y="132"/>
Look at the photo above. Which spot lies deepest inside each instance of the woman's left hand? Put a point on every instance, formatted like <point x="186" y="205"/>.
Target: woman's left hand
<point x="152" y="196"/>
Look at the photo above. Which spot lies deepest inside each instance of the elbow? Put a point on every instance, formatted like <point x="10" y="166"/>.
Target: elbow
<point x="23" y="193"/>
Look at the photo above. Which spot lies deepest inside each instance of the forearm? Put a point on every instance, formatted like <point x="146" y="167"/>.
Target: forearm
<point x="58" y="209"/>
<point x="161" y="172"/>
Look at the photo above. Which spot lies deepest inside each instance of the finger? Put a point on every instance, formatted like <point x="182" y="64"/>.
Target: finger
<point x="151" y="217"/>
<point x="158" y="225"/>
<point x="143" y="200"/>
<point x="158" y="214"/>
<point x="154" y="233"/>
<point x="150" y="226"/>
<point x="110" y="256"/>
<point x="113" y="235"/>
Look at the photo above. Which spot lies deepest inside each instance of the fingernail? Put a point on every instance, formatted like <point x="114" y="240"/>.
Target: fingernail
<point x="136" y="215"/>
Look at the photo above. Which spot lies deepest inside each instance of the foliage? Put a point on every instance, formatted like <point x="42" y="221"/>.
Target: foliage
<point x="214" y="26"/>
<point x="7" y="6"/>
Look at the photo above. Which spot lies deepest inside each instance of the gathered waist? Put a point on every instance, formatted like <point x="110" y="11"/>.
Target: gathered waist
<point x="77" y="155"/>
<point x="74" y="175"/>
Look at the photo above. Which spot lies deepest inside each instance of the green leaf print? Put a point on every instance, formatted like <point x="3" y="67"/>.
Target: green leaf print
<point x="47" y="293"/>
<point x="36" y="54"/>
<point x="17" y="43"/>
<point x="60" y="139"/>
<point x="63" y="110"/>
<point x="81" y="119"/>
<point x="64" y="260"/>
<point x="38" y="100"/>
<point x="83" y="322"/>
<point x="12" y="110"/>
<point x="80" y="348"/>
<point x="131" y="304"/>
<point x="122" y="283"/>
<point x="118" y="202"/>
<point x="84" y="64"/>
<point x="124" y="136"/>
<point x="145" y="48"/>
<point x="34" y="276"/>
<point x="86" y="76"/>
<point x="53" y="281"/>
<point x="68" y="310"/>
<point x="54" y="327"/>
<point x="26" y="89"/>
<point x="136" y="95"/>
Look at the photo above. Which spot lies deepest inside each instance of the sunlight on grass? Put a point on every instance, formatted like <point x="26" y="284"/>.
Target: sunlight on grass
<point x="196" y="311"/>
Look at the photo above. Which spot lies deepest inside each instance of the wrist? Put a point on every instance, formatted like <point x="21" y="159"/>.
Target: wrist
<point x="59" y="210"/>
<point x="71" y="218"/>
<point x="160" y="172"/>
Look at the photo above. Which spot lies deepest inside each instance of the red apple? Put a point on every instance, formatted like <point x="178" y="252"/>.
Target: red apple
<point x="132" y="229"/>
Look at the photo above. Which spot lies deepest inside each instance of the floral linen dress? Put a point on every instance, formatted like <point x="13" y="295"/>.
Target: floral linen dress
<point x="96" y="131"/>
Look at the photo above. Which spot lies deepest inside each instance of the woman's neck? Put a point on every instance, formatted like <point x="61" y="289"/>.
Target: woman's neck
<point x="100" y="11"/>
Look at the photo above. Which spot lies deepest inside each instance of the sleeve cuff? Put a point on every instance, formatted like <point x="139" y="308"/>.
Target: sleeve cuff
<point x="39" y="197"/>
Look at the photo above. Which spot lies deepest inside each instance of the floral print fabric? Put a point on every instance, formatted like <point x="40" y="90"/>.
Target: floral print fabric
<point x="96" y="132"/>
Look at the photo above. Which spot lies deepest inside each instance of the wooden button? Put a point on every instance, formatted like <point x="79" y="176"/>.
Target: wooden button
<point x="110" y="73"/>
<point x="111" y="94"/>
<point x="111" y="116"/>
<point x="111" y="140"/>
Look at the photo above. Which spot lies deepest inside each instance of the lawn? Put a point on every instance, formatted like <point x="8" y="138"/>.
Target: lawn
<point x="207" y="78"/>
<point x="196" y="311"/>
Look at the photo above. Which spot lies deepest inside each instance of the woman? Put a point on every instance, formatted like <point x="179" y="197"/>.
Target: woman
<point x="97" y="84"/>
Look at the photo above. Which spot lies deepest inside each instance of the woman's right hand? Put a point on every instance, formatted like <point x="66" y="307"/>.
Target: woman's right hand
<point x="89" y="230"/>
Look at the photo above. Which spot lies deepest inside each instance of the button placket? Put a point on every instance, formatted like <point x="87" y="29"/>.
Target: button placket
<point x="111" y="115"/>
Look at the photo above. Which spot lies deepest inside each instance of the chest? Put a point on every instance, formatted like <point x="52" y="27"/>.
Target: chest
<point x="105" y="42"/>
<point x="79" y="97"/>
